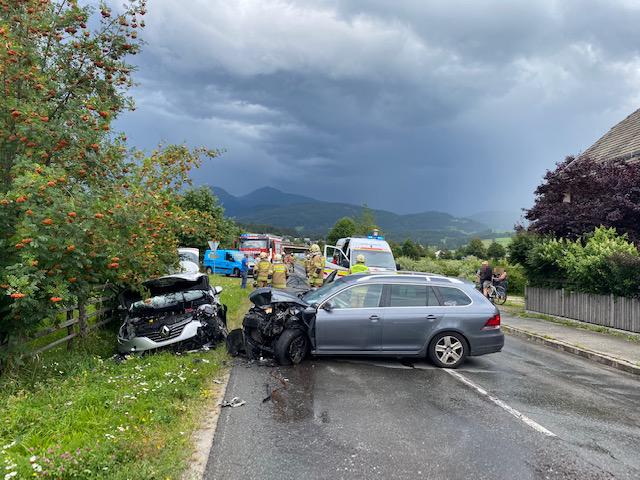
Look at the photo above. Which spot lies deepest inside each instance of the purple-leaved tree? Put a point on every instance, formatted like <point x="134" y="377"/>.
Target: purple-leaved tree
<point x="582" y="194"/>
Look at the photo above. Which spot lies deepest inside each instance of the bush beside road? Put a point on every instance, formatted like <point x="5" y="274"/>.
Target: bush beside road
<point x="81" y="414"/>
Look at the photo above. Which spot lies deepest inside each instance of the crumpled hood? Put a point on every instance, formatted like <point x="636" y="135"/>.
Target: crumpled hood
<point x="171" y="283"/>
<point x="266" y="296"/>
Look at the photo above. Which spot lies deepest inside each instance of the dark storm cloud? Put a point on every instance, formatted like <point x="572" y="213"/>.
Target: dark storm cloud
<point x="415" y="105"/>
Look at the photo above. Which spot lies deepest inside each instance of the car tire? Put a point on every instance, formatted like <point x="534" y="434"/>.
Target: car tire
<point x="291" y="347"/>
<point x="209" y="270"/>
<point x="236" y="272"/>
<point x="448" y="350"/>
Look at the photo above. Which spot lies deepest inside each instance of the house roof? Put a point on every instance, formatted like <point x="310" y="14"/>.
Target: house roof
<point x="622" y="142"/>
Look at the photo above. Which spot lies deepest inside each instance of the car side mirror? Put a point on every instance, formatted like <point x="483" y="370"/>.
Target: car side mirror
<point x="217" y="290"/>
<point x="327" y="307"/>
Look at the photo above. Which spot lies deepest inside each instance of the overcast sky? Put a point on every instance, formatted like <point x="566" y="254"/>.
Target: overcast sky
<point x="405" y="105"/>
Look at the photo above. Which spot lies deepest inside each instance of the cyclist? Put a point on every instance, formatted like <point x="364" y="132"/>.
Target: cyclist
<point x="485" y="277"/>
<point x="500" y="279"/>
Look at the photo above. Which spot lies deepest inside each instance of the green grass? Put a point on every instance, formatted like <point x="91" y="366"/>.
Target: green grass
<point x="236" y="299"/>
<point x="80" y="414"/>
<point x="504" y="241"/>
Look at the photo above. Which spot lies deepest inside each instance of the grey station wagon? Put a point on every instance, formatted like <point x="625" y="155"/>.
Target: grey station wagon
<point x="403" y="315"/>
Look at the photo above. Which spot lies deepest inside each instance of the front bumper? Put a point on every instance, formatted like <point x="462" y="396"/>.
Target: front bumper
<point x="142" y="344"/>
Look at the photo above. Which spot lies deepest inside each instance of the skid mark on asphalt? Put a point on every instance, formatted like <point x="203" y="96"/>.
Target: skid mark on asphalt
<point x="520" y="416"/>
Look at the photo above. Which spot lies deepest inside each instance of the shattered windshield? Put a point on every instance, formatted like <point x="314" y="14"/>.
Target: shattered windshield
<point x="160" y="302"/>
<point x="316" y="296"/>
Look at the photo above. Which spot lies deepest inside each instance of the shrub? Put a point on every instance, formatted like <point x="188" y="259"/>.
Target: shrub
<point x="601" y="262"/>
<point x="624" y="275"/>
<point x="496" y="251"/>
<point x="465" y="269"/>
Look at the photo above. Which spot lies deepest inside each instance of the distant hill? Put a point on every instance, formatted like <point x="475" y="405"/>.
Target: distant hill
<point x="498" y="220"/>
<point x="314" y="218"/>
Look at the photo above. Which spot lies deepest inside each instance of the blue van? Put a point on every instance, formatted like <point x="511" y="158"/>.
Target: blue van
<point x="226" y="262"/>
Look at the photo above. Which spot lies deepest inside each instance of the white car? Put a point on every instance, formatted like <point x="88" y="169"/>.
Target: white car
<point x="189" y="260"/>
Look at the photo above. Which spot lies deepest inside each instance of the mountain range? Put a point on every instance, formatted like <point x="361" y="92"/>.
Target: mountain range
<point x="313" y="218"/>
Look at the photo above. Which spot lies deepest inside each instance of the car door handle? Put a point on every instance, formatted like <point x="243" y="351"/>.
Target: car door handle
<point x="431" y="318"/>
<point x="374" y="318"/>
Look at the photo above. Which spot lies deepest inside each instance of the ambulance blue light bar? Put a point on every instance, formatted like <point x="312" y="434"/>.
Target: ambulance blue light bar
<point x="375" y="237"/>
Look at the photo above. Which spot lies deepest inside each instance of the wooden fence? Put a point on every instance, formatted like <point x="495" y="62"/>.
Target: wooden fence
<point x="76" y="323"/>
<point x="606" y="310"/>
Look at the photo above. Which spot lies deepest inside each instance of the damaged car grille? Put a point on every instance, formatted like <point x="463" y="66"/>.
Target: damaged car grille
<point x="166" y="332"/>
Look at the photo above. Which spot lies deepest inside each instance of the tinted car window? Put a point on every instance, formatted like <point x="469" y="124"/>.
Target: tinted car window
<point x="411" y="296"/>
<point x="452" y="297"/>
<point x="408" y="296"/>
<point x="360" y="296"/>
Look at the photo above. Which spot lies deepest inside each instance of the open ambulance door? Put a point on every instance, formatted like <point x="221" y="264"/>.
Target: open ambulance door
<point x="335" y="260"/>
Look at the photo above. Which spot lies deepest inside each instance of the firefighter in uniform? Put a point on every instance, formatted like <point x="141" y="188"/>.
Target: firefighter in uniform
<point x="280" y="273"/>
<point x="307" y="265"/>
<point x="316" y="275"/>
<point x="360" y="266"/>
<point x="262" y="271"/>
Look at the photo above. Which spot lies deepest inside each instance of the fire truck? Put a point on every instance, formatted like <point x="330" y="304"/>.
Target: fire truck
<point x="256" y="243"/>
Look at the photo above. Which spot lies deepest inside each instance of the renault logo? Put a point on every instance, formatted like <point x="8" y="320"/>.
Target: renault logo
<point x="165" y="331"/>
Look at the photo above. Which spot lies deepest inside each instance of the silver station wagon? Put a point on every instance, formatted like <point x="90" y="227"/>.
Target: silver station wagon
<point x="399" y="315"/>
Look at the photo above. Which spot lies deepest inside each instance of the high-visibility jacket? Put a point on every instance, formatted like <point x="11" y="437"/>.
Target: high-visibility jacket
<point x="317" y="270"/>
<point x="264" y="270"/>
<point x="359" y="268"/>
<point x="279" y="278"/>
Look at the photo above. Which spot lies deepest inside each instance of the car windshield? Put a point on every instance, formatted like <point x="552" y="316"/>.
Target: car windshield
<point x="237" y="256"/>
<point x="375" y="258"/>
<point x="188" y="257"/>
<point x="168" y="300"/>
<point x="317" y="296"/>
<point x="253" y="244"/>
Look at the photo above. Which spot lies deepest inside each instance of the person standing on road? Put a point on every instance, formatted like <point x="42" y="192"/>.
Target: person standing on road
<point x="307" y="264"/>
<point x="244" y="270"/>
<point x="360" y="266"/>
<point x="316" y="277"/>
<point x="280" y="273"/>
<point x="485" y="277"/>
<point x="263" y="271"/>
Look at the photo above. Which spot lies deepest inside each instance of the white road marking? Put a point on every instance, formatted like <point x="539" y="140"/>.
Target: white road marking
<point x="536" y="426"/>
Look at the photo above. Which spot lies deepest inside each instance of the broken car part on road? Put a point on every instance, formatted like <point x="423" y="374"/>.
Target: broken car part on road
<point x="182" y="311"/>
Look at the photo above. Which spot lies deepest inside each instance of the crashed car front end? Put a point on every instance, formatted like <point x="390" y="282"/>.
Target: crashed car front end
<point x="182" y="312"/>
<point x="274" y="312"/>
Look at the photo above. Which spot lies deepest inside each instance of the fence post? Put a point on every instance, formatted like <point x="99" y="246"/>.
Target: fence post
<point x="69" y="329"/>
<point x="612" y="311"/>
<point x="82" y="318"/>
<point x="562" y="302"/>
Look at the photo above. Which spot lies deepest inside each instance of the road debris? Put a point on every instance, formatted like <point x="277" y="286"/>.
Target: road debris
<point x="235" y="402"/>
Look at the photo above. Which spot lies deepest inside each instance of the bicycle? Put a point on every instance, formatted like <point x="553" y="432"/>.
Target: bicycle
<point x="497" y="294"/>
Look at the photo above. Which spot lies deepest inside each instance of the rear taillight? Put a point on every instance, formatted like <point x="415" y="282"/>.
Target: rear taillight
<point x="493" y="323"/>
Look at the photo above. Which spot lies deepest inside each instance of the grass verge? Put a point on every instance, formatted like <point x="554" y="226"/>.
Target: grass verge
<point x="236" y="299"/>
<point x="80" y="414"/>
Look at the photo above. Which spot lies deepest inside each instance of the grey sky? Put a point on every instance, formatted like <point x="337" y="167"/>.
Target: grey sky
<point x="408" y="106"/>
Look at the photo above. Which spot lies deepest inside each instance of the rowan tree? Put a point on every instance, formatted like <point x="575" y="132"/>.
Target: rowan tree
<point x="78" y="209"/>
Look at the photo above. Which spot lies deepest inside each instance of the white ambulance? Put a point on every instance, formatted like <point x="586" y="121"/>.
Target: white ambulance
<point x="377" y="254"/>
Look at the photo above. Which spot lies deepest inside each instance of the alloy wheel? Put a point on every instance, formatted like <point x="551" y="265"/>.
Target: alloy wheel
<point x="449" y="350"/>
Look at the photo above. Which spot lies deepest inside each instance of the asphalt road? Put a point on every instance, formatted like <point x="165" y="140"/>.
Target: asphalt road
<point x="355" y="418"/>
